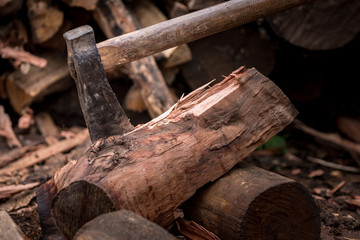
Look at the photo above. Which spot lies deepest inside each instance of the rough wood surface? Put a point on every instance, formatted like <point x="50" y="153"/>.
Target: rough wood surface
<point x="122" y="225"/>
<point x="251" y="203"/>
<point x="187" y="28"/>
<point x="157" y="166"/>
<point x="155" y="93"/>
<point x="25" y="89"/>
<point x="322" y="25"/>
<point x="9" y="230"/>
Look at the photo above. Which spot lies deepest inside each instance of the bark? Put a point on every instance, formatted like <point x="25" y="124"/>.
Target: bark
<point x="251" y="203"/>
<point x="122" y="225"/>
<point x="156" y="167"/>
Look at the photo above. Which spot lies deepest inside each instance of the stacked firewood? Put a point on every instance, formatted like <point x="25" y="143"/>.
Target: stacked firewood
<point x="183" y="175"/>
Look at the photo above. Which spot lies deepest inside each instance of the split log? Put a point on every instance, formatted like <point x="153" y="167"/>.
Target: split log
<point x="251" y="203"/>
<point x="122" y="225"/>
<point x="115" y="20"/>
<point x="156" y="167"/>
<point x="239" y="46"/>
<point x="25" y="89"/>
<point x="89" y="5"/>
<point x="321" y="25"/>
<point x="9" y="230"/>
<point x="45" y="20"/>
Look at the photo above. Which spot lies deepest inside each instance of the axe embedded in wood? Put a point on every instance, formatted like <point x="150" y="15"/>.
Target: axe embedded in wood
<point x="105" y="117"/>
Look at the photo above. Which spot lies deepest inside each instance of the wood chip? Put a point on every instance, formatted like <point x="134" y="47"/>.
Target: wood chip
<point x="316" y="173"/>
<point x="193" y="231"/>
<point x="27" y="119"/>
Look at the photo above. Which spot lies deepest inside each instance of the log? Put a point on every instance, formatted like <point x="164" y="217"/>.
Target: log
<point x="116" y="20"/>
<point x="156" y="167"/>
<point x="122" y="225"/>
<point x="25" y="89"/>
<point x="239" y="46"/>
<point x="9" y="230"/>
<point x="321" y="25"/>
<point x="45" y="20"/>
<point x="251" y="203"/>
<point x="149" y="14"/>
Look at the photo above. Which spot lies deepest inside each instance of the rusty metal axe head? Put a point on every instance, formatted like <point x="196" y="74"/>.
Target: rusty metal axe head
<point x="103" y="113"/>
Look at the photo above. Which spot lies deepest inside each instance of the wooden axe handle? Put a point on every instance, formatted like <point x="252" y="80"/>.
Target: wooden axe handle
<point x="174" y="32"/>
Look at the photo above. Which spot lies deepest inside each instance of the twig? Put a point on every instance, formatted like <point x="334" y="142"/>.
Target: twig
<point x="333" y="165"/>
<point x="13" y="154"/>
<point x="329" y="137"/>
<point x="10" y="190"/>
<point x="46" y="152"/>
<point x="337" y="187"/>
<point x="22" y="56"/>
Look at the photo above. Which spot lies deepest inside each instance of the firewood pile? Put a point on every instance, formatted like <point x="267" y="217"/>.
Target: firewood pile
<point x="178" y="175"/>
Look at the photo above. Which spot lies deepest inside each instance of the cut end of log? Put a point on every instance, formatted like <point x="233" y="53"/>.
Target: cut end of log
<point x="293" y="214"/>
<point x="79" y="203"/>
<point x="251" y="203"/>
